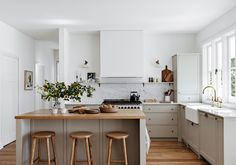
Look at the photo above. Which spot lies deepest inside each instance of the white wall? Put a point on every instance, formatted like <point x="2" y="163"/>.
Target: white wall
<point x="163" y="47"/>
<point x="22" y="46"/>
<point x="221" y="25"/>
<point x="16" y="44"/>
<point x="83" y="47"/>
<point x="45" y="67"/>
<point x="156" y="46"/>
<point x="44" y="55"/>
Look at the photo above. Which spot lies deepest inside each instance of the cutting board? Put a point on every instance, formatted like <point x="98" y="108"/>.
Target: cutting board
<point x="167" y="75"/>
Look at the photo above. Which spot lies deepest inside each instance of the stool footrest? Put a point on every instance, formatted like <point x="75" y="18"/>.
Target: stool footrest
<point x="117" y="161"/>
<point x="37" y="159"/>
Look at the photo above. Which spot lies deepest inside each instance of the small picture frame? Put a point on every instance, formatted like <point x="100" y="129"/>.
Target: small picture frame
<point x="28" y="80"/>
<point x="91" y="77"/>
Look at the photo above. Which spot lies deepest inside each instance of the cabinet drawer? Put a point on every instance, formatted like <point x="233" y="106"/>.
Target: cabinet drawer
<point x="160" y="108"/>
<point x="161" y="118"/>
<point x="162" y="131"/>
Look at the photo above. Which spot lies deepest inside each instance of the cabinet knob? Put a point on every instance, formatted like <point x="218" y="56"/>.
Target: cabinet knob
<point x="149" y="109"/>
<point x="172" y="119"/>
<point x="172" y="109"/>
<point x="206" y="115"/>
<point x="149" y="119"/>
<point x="216" y="118"/>
<point x="149" y="131"/>
<point x="172" y="131"/>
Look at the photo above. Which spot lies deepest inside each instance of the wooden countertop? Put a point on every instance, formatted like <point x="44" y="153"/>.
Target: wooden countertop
<point x="45" y="115"/>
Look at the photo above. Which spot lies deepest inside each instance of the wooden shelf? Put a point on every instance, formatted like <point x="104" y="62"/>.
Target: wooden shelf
<point x="144" y="83"/>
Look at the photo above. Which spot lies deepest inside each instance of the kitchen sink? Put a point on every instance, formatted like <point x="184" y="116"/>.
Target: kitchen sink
<point x="191" y="112"/>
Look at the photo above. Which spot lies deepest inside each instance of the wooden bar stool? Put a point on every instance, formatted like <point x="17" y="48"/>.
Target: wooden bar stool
<point x="117" y="136"/>
<point x="40" y="136"/>
<point x="81" y="136"/>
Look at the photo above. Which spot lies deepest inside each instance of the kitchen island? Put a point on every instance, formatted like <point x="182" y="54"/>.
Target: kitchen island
<point x="130" y="121"/>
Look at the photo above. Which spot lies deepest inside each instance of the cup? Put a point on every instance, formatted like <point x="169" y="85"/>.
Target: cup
<point x="167" y="98"/>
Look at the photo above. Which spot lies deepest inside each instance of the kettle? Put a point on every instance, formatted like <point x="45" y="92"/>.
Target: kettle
<point x="134" y="96"/>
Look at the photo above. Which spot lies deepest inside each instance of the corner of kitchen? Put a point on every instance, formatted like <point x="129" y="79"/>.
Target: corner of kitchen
<point x="118" y="82"/>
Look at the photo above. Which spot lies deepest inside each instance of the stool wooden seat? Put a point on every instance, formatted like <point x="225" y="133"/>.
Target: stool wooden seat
<point x="83" y="135"/>
<point x="40" y="136"/>
<point x="117" y="136"/>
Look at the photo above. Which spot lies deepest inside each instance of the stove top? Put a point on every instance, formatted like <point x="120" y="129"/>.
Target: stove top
<point x="121" y="102"/>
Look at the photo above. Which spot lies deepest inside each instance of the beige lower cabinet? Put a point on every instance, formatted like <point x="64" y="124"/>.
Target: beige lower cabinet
<point x="211" y="138"/>
<point x="162" y="120"/>
<point x="189" y="131"/>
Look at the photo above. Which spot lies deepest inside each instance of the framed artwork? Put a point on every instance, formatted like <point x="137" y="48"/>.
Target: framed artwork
<point x="28" y="80"/>
<point x="91" y="77"/>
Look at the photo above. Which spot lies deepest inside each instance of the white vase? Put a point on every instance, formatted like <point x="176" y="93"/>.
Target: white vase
<point x="63" y="110"/>
<point x="54" y="111"/>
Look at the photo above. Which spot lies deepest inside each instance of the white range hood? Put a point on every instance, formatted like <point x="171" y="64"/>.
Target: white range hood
<point x="121" y="56"/>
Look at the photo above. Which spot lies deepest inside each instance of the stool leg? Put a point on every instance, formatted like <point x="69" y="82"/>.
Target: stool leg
<point x="87" y="151"/>
<point x="75" y="152"/>
<point x="90" y="151"/>
<point x="72" y="151"/>
<point x="32" y="151"/>
<point x="54" y="149"/>
<point x="125" y="152"/>
<point x="39" y="151"/>
<point x="48" y="151"/>
<point x="109" y="152"/>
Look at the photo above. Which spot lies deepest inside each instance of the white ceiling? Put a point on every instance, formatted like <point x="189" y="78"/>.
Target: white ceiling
<point x="41" y="18"/>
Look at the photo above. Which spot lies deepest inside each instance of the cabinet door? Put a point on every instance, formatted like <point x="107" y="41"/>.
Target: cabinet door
<point x="193" y="135"/>
<point x="188" y="82"/>
<point x="183" y="124"/>
<point x="208" y="137"/>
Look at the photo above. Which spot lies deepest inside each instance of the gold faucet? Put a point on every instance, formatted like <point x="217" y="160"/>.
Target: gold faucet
<point x="214" y="98"/>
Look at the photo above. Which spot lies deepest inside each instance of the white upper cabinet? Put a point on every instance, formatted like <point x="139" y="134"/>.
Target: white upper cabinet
<point x="186" y="69"/>
<point x="121" y="53"/>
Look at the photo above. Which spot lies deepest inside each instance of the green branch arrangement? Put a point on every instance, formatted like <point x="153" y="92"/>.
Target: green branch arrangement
<point x="54" y="91"/>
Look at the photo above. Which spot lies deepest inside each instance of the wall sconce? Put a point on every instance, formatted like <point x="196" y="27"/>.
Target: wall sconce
<point x="85" y="64"/>
<point x="158" y="65"/>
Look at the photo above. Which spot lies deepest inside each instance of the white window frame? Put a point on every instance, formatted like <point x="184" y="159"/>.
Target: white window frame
<point x="229" y="97"/>
<point x="226" y="70"/>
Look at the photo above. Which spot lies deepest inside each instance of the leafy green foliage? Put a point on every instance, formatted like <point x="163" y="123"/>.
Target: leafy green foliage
<point x="54" y="91"/>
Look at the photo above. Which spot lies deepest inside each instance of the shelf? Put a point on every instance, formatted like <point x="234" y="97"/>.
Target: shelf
<point x="144" y="83"/>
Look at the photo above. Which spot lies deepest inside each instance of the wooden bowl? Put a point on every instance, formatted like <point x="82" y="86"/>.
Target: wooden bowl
<point x="108" y="110"/>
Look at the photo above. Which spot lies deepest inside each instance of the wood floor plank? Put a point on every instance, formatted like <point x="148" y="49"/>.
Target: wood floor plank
<point x="161" y="153"/>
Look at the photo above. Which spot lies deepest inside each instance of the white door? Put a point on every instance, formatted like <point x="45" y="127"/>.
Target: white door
<point x="9" y="97"/>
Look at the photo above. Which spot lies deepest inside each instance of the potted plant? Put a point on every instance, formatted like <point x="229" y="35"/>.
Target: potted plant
<point x="59" y="91"/>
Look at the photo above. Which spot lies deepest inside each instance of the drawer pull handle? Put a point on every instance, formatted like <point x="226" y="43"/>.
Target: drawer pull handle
<point x="206" y="115"/>
<point x="149" y="109"/>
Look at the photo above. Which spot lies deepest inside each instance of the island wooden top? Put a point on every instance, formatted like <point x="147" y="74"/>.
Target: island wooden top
<point x="45" y="114"/>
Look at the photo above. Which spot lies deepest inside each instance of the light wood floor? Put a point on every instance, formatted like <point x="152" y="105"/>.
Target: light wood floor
<point x="8" y="155"/>
<point x="172" y="153"/>
<point x="161" y="153"/>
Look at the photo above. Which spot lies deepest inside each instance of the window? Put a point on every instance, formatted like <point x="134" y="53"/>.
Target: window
<point x="219" y="60"/>
<point x="232" y="66"/>
<point x="218" y="70"/>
